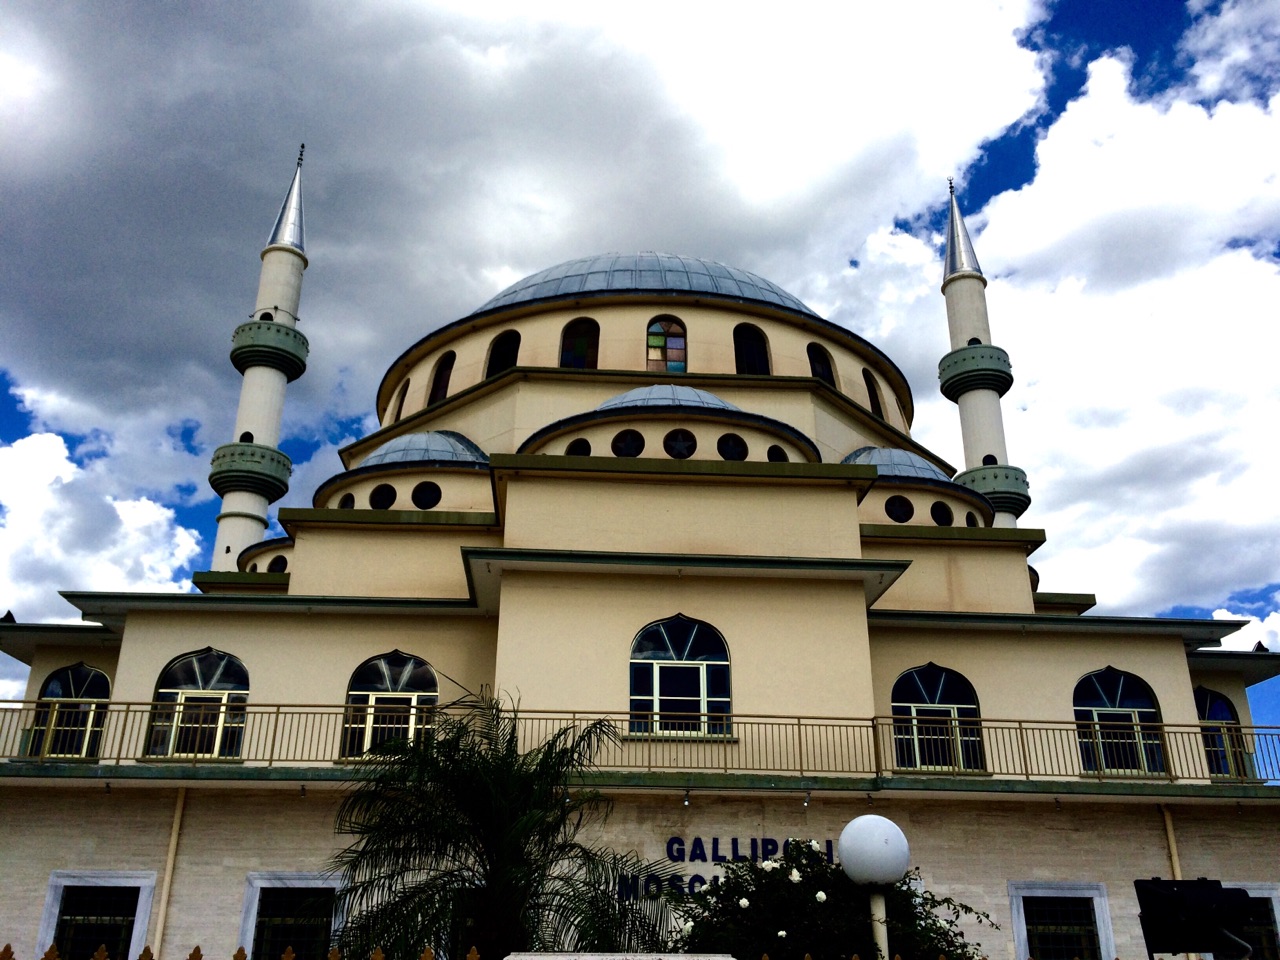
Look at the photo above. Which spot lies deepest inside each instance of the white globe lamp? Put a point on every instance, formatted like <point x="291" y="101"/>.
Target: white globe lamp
<point x="874" y="850"/>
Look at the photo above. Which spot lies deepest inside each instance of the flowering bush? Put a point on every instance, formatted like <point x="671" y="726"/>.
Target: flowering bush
<point x="810" y="906"/>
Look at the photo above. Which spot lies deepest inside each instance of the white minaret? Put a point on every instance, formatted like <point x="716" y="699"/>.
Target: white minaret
<point x="975" y="375"/>
<point x="269" y="352"/>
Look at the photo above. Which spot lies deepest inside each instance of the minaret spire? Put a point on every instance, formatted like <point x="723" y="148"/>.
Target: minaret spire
<point x="252" y="473"/>
<point x="975" y="375"/>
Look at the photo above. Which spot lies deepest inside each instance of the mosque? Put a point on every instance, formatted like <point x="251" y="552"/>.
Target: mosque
<point x="661" y="490"/>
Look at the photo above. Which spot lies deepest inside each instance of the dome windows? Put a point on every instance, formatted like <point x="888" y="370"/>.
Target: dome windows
<point x="680" y="444"/>
<point x="382" y="497"/>
<point x="628" y="443"/>
<point x="580" y="447"/>
<point x="426" y="495"/>
<point x="580" y="344"/>
<point x="820" y="364"/>
<point x="873" y="394"/>
<point x="730" y="446"/>
<point x="750" y="350"/>
<point x="899" y="509"/>
<point x="504" y="352"/>
<point x="666" y="346"/>
<point x="440" y="378"/>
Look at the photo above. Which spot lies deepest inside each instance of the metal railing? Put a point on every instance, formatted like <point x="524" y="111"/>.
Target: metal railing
<point x="266" y="735"/>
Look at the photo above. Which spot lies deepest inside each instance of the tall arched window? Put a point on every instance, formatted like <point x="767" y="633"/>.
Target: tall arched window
<point x="1224" y="745"/>
<point x="873" y="393"/>
<point x="936" y="721"/>
<point x="680" y="678"/>
<point x="750" y="349"/>
<point x="503" y="353"/>
<point x="389" y="698"/>
<point x="1118" y="724"/>
<point x="580" y="344"/>
<point x="200" y="707"/>
<point x="440" y="378"/>
<point x="667" y="346"/>
<point x="398" y="407"/>
<point x="71" y="712"/>
<point x="820" y="364"/>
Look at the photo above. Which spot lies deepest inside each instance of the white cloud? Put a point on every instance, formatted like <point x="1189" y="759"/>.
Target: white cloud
<point x="1236" y="53"/>
<point x="1259" y="630"/>
<point x="60" y="530"/>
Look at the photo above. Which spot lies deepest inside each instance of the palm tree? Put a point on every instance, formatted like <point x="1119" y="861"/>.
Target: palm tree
<point x="463" y="839"/>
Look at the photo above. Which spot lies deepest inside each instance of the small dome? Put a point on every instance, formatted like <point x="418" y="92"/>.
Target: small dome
<point x="666" y="395"/>
<point x="892" y="462"/>
<point x="644" y="273"/>
<point x="436" y="445"/>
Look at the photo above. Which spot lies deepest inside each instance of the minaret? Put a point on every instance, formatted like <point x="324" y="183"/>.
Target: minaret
<point x="269" y="352"/>
<point x="975" y="375"/>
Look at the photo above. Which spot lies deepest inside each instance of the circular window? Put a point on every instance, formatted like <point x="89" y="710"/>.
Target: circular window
<point x="578" y="448"/>
<point x="971" y="519"/>
<point x="899" y="509"/>
<point x="382" y="496"/>
<point x="278" y="564"/>
<point x="730" y="446"/>
<point x="989" y="460"/>
<point x="426" y="495"/>
<point x="941" y="514"/>
<point x="628" y="443"/>
<point x="347" y="501"/>
<point x="680" y="444"/>
<point x="777" y="454"/>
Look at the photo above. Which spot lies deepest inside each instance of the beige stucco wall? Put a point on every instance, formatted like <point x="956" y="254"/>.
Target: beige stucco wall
<point x="683" y="515"/>
<point x="986" y="578"/>
<point x="795" y="646"/>
<point x="305" y="658"/>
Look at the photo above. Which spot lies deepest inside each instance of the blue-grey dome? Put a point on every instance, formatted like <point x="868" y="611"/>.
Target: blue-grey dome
<point x="892" y="462"/>
<point x="436" y="445"/>
<point x="666" y="395"/>
<point x="644" y="273"/>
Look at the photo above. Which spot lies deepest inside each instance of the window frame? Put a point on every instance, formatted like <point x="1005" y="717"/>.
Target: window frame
<point x="59" y="880"/>
<point x="662" y="362"/>
<point x="258" y="880"/>
<point x="585" y="332"/>
<point x="366" y="710"/>
<point x="964" y="737"/>
<point x="92" y="710"/>
<point x="704" y="723"/>
<point x="1096" y="892"/>
<point x="1098" y="737"/>
<point x="227" y="699"/>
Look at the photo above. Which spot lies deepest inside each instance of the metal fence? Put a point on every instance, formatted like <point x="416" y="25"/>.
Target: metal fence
<point x="213" y="730"/>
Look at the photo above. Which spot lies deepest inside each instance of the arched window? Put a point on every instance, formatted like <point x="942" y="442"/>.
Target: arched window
<point x="680" y="678"/>
<point x="750" y="349"/>
<point x="820" y="364"/>
<point x="397" y="408"/>
<point x="1118" y="724"/>
<point x="1224" y="745"/>
<point x="440" y="378"/>
<point x="936" y="725"/>
<point x="873" y="393"/>
<point x="667" y="346"/>
<point x="580" y="344"/>
<point x="200" y="707"/>
<point x="71" y="712"/>
<point x="389" y="698"/>
<point x="503" y="353"/>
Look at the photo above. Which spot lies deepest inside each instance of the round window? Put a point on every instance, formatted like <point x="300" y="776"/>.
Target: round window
<point x="971" y="519"/>
<point x="580" y="447"/>
<point x="382" y="497"/>
<point x="628" y="443"/>
<point x="899" y="509"/>
<point x="941" y="514"/>
<point x="730" y="446"/>
<point x="347" y="501"/>
<point x="278" y="564"/>
<point x="680" y="444"/>
<point x="777" y="454"/>
<point x="426" y="495"/>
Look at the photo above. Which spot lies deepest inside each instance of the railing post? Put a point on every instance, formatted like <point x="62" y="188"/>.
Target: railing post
<point x="877" y="757"/>
<point x="1022" y="749"/>
<point x="800" y="746"/>
<point x="124" y="725"/>
<point x="275" y="732"/>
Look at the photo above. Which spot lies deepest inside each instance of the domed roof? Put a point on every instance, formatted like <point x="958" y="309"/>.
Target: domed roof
<point x="892" y="462"/>
<point x="434" y="445"/>
<point x="644" y="273"/>
<point x="666" y="395"/>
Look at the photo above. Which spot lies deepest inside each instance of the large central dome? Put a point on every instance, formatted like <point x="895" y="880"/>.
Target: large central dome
<point x="648" y="272"/>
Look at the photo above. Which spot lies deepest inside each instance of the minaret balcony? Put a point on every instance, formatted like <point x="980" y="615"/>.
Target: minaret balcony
<point x="977" y="367"/>
<point x="1005" y="486"/>
<point x="262" y="343"/>
<point x="250" y="467"/>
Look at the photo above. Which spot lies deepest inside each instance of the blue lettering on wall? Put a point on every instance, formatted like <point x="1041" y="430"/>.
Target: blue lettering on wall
<point x="697" y="852"/>
<point x="675" y="850"/>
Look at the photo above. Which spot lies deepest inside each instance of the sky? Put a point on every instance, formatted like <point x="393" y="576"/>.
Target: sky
<point x="1116" y="163"/>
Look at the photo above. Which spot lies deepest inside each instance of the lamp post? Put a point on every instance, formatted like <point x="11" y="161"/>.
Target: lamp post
<point x="873" y="850"/>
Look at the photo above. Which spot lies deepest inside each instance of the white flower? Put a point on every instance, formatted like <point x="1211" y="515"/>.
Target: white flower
<point x="795" y="875"/>
<point x="769" y="865"/>
<point x="820" y="897"/>
<point x="688" y="927"/>
<point x="782" y="933"/>
<point x="744" y="903"/>
<point x="815" y="846"/>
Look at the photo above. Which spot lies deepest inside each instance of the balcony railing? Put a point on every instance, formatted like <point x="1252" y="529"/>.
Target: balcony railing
<point x="263" y="735"/>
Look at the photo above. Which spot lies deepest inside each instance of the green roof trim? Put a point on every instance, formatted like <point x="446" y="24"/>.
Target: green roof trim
<point x="216" y="578"/>
<point x="1029" y="538"/>
<point x="744" y="469"/>
<point x="388" y="518"/>
<point x="1196" y="632"/>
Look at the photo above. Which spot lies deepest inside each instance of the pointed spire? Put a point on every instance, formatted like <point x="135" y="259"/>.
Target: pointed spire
<point x="288" y="229"/>
<point x="960" y="256"/>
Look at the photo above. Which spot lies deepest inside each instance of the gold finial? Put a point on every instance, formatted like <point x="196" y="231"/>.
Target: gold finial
<point x="951" y="181"/>
<point x="301" y="150"/>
